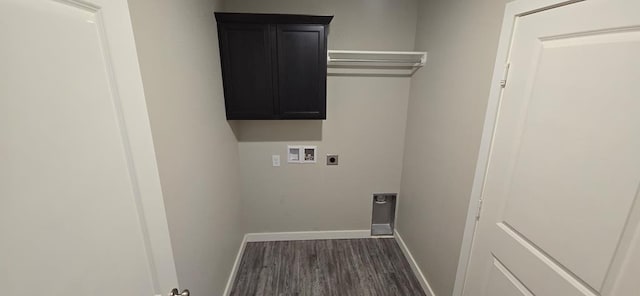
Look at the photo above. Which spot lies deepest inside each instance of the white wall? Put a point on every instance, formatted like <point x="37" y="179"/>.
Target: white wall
<point x="197" y="152"/>
<point x="444" y="126"/>
<point x="365" y="125"/>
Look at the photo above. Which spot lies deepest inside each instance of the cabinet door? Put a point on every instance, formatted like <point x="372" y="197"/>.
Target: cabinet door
<point x="302" y="71"/>
<point x="246" y="52"/>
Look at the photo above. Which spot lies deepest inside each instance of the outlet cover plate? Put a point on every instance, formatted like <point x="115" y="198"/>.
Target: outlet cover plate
<point x="332" y="159"/>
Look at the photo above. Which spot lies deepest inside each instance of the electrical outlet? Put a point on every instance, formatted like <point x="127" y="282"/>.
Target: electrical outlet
<point x="275" y="160"/>
<point x="332" y="159"/>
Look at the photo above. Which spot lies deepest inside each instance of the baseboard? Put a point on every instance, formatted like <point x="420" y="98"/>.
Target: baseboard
<point x="234" y="268"/>
<point x="308" y="235"/>
<point x="414" y="266"/>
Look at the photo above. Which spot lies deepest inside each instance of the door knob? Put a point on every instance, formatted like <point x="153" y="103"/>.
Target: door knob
<point x="175" y="292"/>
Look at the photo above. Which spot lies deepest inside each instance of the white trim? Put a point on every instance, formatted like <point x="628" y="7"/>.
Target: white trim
<point x="414" y="266"/>
<point x="309" y="235"/>
<point x="234" y="268"/>
<point x="513" y="10"/>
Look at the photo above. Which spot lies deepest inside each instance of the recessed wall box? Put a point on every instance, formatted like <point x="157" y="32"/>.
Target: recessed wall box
<point x="384" y="214"/>
<point x="293" y="154"/>
<point x="309" y="154"/>
<point x="302" y="154"/>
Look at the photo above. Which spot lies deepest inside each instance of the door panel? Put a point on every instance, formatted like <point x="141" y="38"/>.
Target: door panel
<point x="626" y="268"/>
<point x="538" y="271"/>
<point x="302" y="69"/>
<point x="564" y="171"/>
<point x="582" y="177"/>
<point x="503" y="283"/>
<point x="71" y="182"/>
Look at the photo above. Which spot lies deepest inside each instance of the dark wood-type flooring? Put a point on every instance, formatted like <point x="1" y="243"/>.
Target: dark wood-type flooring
<point x="347" y="267"/>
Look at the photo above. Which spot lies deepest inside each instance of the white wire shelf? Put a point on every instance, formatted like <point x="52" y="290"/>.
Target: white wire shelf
<point x="394" y="63"/>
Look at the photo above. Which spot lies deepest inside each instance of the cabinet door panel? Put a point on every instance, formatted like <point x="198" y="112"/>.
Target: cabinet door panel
<point x="245" y="50"/>
<point x="302" y="71"/>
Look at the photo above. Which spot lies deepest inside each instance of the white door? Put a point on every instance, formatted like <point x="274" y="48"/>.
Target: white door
<point x="561" y="214"/>
<point x="81" y="209"/>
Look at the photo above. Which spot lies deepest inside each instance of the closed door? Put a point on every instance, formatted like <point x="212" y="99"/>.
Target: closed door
<point x="81" y="209"/>
<point x="302" y="71"/>
<point x="247" y="51"/>
<point x="561" y="214"/>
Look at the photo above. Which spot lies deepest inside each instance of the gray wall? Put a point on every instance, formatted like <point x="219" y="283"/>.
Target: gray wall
<point x="197" y="152"/>
<point x="198" y="155"/>
<point x="444" y="126"/>
<point x="365" y="125"/>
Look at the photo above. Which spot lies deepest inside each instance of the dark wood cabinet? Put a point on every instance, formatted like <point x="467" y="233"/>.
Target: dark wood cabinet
<point x="273" y="66"/>
<point x="247" y="62"/>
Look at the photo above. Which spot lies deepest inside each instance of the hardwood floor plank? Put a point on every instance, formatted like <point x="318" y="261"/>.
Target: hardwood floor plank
<point x="352" y="267"/>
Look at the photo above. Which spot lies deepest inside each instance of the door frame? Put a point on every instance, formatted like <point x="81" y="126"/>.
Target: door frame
<point x="118" y="45"/>
<point x="513" y="10"/>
